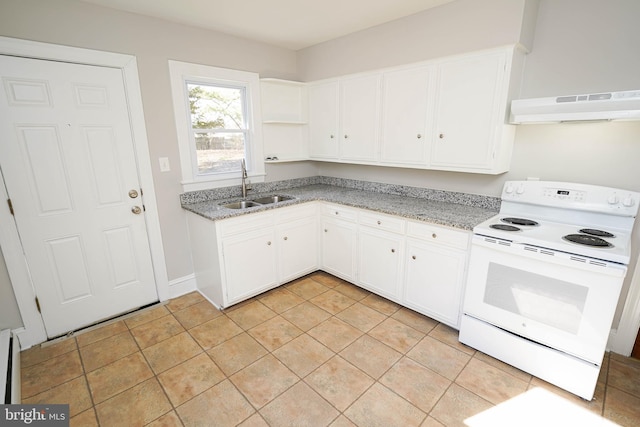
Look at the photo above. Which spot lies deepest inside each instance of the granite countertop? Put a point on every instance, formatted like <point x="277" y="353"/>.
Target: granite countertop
<point x="458" y="215"/>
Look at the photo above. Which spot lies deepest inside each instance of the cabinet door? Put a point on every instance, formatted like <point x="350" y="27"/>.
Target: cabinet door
<point x="380" y="262"/>
<point x="339" y="248"/>
<point x="249" y="264"/>
<point x="323" y="120"/>
<point x="467" y="111"/>
<point x="406" y="105"/>
<point x="297" y="248"/>
<point x="433" y="280"/>
<point x="359" y="103"/>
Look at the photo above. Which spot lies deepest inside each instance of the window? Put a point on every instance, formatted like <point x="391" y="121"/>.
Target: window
<point x="215" y="118"/>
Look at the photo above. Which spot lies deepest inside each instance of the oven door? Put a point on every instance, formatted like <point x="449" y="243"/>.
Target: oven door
<point x="562" y="301"/>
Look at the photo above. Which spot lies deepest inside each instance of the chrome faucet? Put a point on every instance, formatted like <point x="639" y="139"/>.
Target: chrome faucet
<point x="244" y="180"/>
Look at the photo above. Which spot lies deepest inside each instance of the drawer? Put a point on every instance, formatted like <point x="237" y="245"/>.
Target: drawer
<point x="382" y="221"/>
<point x="244" y="223"/>
<point x="341" y="212"/>
<point x="295" y="212"/>
<point x="439" y="235"/>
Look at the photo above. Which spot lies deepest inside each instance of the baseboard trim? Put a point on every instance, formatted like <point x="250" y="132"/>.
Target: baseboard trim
<point x="182" y="286"/>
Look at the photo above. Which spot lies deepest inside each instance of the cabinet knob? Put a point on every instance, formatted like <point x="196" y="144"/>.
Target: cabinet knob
<point x="379" y="222"/>
<point x="326" y="231"/>
<point x="413" y="257"/>
<point x="419" y="136"/>
<point x="286" y="238"/>
<point x="441" y="136"/>
<point x="393" y="251"/>
<point x="434" y="235"/>
<point x="269" y="243"/>
<point x="331" y="136"/>
<point x="337" y="213"/>
<point x="346" y="136"/>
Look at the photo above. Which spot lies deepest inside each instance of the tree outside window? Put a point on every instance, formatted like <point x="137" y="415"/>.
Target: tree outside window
<point x="219" y="126"/>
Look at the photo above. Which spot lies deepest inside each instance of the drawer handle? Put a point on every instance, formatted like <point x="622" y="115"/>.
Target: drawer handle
<point x="434" y="235"/>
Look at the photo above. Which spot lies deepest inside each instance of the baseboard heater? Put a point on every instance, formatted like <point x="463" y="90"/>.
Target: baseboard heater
<point x="9" y="368"/>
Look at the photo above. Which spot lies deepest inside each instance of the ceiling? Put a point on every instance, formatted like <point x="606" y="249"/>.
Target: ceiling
<point x="292" y="24"/>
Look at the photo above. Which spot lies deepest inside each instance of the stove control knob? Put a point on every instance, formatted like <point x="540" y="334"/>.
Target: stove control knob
<point x="613" y="199"/>
<point x="520" y="189"/>
<point x="508" y="189"/>
<point x="628" y="202"/>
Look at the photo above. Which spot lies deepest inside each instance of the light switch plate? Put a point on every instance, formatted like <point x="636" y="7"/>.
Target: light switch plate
<point x="164" y="164"/>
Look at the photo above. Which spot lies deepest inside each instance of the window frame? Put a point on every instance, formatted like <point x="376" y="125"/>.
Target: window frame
<point x="184" y="73"/>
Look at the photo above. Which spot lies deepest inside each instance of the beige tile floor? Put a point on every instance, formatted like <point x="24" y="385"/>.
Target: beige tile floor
<point x="315" y="352"/>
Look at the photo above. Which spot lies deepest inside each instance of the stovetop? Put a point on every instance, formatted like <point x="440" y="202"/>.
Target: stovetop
<point x="551" y="235"/>
<point x="564" y="216"/>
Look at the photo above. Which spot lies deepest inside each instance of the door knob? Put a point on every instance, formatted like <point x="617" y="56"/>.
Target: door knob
<point x="136" y="210"/>
<point x="133" y="194"/>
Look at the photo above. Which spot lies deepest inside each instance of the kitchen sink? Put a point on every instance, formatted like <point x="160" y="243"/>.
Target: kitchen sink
<point x="242" y="204"/>
<point x="272" y="199"/>
<point x="266" y="200"/>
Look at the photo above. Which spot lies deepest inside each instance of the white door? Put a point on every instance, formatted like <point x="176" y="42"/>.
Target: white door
<point x="69" y="166"/>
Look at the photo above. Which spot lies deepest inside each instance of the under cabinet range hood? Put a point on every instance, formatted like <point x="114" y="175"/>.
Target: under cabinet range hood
<point x="623" y="105"/>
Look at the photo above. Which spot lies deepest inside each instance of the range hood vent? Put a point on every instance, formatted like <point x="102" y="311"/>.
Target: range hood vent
<point x="572" y="108"/>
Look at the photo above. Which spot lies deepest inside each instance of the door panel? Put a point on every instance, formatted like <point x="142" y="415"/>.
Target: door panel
<point x="68" y="162"/>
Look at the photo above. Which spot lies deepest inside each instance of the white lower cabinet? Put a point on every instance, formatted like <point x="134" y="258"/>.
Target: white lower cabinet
<point x="339" y="231"/>
<point x="419" y="265"/>
<point x="237" y="258"/>
<point x="297" y="235"/>
<point x="380" y="262"/>
<point x="249" y="264"/>
<point x="434" y="278"/>
<point x="435" y="268"/>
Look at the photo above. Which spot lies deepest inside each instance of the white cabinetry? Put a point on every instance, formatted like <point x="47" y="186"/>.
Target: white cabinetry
<point x="323" y="120"/>
<point x="249" y="264"/>
<point x="284" y="119"/>
<point x="469" y="131"/>
<point x="380" y="254"/>
<point x="435" y="265"/>
<point x="359" y="107"/>
<point x="407" y="104"/>
<point x="343" y="119"/>
<point x="339" y="231"/>
<point x="297" y="235"/>
<point x="237" y="258"/>
<point x="446" y="114"/>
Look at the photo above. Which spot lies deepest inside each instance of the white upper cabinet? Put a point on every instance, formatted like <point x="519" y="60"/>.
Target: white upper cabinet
<point x="359" y="107"/>
<point x="323" y="120"/>
<point x="446" y="114"/>
<point x="343" y="119"/>
<point x="469" y="129"/>
<point x="407" y="103"/>
<point x="284" y="120"/>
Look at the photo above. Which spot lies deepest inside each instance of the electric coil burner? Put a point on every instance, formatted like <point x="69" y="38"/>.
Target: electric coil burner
<point x="544" y="279"/>
<point x="585" y="239"/>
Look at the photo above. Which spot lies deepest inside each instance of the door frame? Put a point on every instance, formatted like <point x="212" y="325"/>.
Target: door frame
<point x="34" y="332"/>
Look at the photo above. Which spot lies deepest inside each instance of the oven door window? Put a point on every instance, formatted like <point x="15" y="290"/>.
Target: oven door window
<point x="550" y="301"/>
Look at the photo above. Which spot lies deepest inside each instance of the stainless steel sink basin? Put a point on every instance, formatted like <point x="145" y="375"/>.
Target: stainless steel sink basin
<point x="271" y="199"/>
<point x="242" y="204"/>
